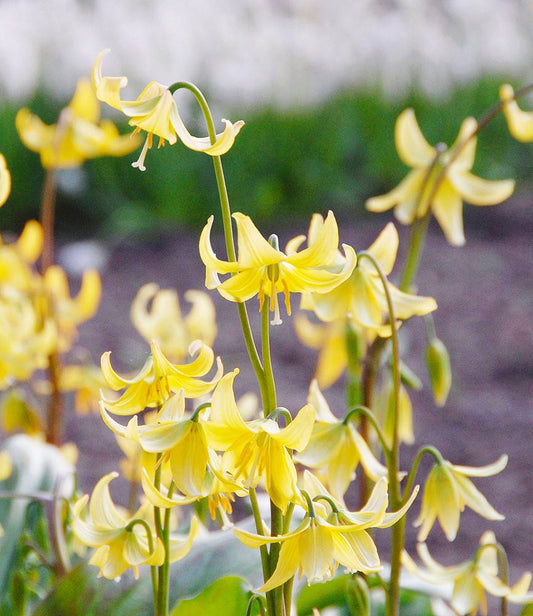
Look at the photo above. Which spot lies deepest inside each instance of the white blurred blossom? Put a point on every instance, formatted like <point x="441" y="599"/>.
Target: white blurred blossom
<point x="286" y="52"/>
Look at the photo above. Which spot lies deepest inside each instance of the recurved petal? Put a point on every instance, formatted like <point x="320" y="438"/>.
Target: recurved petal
<point x="30" y="242"/>
<point x="254" y="250"/>
<point x="407" y="305"/>
<point x="448" y="210"/>
<point x="33" y="132"/>
<point x="482" y="471"/>
<point x="158" y="499"/>
<point x="467" y="142"/>
<point x="224" y="408"/>
<point x="107" y="88"/>
<point x="391" y="518"/>
<point x="323" y="249"/>
<point x="467" y="594"/>
<point x="520" y="122"/>
<point x="403" y="198"/>
<point x="288" y="563"/>
<point x="180" y="546"/>
<point x="209" y="258"/>
<point x="103" y="511"/>
<point x="363" y="550"/>
<point x="297" y="434"/>
<point x="318" y="401"/>
<point x="242" y="286"/>
<point x="478" y="191"/>
<point x="411" y="144"/>
<point x="385" y="248"/>
<point x="472" y="497"/>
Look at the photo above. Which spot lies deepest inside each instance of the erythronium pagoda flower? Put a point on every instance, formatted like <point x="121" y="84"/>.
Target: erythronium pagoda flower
<point x="259" y="448"/>
<point x="78" y="135"/>
<point x="123" y="541"/>
<point x="164" y="322"/>
<point x="264" y="270"/>
<point x="448" y="490"/>
<point x="181" y="439"/>
<point x="155" y="112"/>
<point x="159" y="378"/>
<point x="337" y="448"/>
<point x="458" y="183"/>
<point x="319" y="543"/>
<point x="5" y="181"/>
<point x="520" y="122"/>
<point x="17" y="259"/>
<point x="70" y="312"/>
<point x="361" y="295"/>
<point x="471" y="578"/>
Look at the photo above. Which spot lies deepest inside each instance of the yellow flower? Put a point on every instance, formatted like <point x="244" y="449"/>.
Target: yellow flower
<point x="337" y="448"/>
<point x="69" y="312"/>
<point x="155" y="112"/>
<point x="5" y="181"/>
<point x="362" y="297"/>
<point x="448" y="490"/>
<point x="264" y="270"/>
<point x="318" y="545"/>
<point x="258" y="448"/>
<point x="159" y="378"/>
<point x="121" y="544"/>
<point x="181" y="439"/>
<point x="458" y="183"/>
<point x="77" y="136"/>
<point x="471" y="578"/>
<point x="163" y="321"/>
<point x="17" y="259"/>
<point x="520" y="122"/>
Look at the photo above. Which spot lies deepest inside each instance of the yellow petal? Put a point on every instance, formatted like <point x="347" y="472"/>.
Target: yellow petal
<point x="478" y="191"/>
<point x="254" y="250"/>
<point x="180" y="546"/>
<point x="465" y="160"/>
<point x="30" y="242"/>
<point x="412" y="147"/>
<point x="107" y="88"/>
<point x="403" y="198"/>
<point x="322" y="250"/>
<point x="84" y="103"/>
<point x="223" y="141"/>
<point x="448" y="210"/>
<point x="288" y="563"/>
<point x="5" y="181"/>
<point x="520" y="122"/>
<point x="297" y="434"/>
<point x="483" y="471"/>
<point x="385" y="248"/>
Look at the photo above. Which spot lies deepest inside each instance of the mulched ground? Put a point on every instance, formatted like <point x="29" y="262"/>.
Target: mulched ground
<point x="485" y="316"/>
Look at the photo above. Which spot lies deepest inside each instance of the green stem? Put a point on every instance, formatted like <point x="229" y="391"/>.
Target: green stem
<point x="393" y="461"/>
<point x="414" y="253"/>
<point x="265" y="563"/>
<point x="369" y="415"/>
<point x="270" y="403"/>
<point x="414" y="468"/>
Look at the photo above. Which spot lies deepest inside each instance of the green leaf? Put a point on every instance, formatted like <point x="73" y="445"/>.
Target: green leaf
<point x="322" y="594"/>
<point x="37" y="467"/>
<point x="528" y="610"/>
<point x="228" y="595"/>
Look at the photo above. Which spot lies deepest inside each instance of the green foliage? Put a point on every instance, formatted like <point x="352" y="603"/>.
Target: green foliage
<point x="228" y="595"/>
<point x="291" y="163"/>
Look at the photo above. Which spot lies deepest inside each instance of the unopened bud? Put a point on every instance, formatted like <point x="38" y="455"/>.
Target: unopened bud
<point x="440" y="373"/>
<point x="357" y="596"/>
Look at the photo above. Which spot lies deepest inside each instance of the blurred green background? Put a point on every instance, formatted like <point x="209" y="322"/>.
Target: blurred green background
<point x="287" y="163"/>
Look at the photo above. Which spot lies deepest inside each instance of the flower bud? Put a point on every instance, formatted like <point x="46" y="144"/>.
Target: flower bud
<point x="357" y="596"/>
<point x="440" y="373"/>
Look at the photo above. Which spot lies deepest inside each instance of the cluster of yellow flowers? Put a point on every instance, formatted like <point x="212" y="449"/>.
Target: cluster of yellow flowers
<point x="188" y="438"/>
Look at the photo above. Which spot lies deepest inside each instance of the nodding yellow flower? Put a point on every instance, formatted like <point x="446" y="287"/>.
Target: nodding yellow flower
<point x="181" y="439"/>
<point x="5" y="181"/>
<point x="155" y="111"/>
<point x="259" y="448"/>
<point x="519" y="122"/>
<point x="264" y="270"/>
<point x="69" y="312"/>
<point x="318" y="545"/>
<point x="471" y="578"/>
<point x="457" y="185"/>
<point x="362" y="297"/>
<point x="337" y="448"/>
<point x="448" y="491"/>
<point x="158" y="379"/>
<point x="121" y="543"/>
<point x="164" y="322"/>
<point x="78" y="134"/>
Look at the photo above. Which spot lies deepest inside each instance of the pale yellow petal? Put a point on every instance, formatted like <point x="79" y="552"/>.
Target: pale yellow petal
<point x="179" y="547"/>
<point x="288" y="564"/>
<point x="483" y="471"/>
<point x="385" y="248"/>
<point x="411" y="144"/>
<point x="465" y="160"/>
<point x="447" y="208"/>
<point x="5" y="181"/>
<point x="520" y="122"/>
<point x="478" y="191"/>
<point x="254" y="250"/>
<point x="30" y="242"/>
<point x="297" y="434"/>
<point x="322" y="251"/>
<point x="84" y="103"/>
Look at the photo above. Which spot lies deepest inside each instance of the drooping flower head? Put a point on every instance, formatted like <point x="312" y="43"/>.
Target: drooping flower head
<point x="427" y="163"/>
<point x="159" y="378"/>
<point x="78" y="135"/>
<point x="257" y="449"/>
<point x="361" y="296"/>
<point x="264" y="270"/>
<point x="519" y="122"/>
<point x="155" y="111"/>
<point x="471" y="579"/>
<point x="448" y="491"/>
<point x="321" y="542"/>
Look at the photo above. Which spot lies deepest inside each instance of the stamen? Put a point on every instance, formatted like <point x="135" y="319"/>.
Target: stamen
<point x="139" y="163"/>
